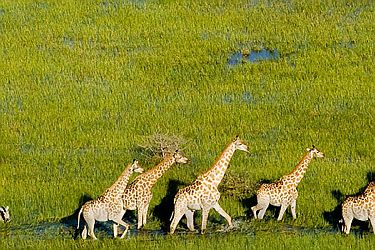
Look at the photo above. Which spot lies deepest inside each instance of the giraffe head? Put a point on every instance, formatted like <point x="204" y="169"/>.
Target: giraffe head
<point x="136" y="167"/>
<point x="315" y="152"/>
<point x="239" y="144"/>
<point x="179" y="157"/>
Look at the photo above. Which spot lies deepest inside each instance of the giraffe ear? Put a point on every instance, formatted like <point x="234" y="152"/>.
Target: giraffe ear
<point x="134" y="160"/>
<point x="308" y="149"/>
<point x="313" y="146"/>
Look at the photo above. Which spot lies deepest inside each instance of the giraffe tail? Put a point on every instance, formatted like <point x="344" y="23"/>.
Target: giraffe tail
<point x="79" y="216"/>
<point x="170" y="219"/>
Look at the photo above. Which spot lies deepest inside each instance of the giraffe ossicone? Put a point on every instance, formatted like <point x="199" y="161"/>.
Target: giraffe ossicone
<point x="203" y="193"/>
<point x="109" y="205"/>
<point x="283" y="193"/>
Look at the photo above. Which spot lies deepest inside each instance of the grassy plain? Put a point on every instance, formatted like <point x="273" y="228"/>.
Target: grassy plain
<point x="82" y="82"/>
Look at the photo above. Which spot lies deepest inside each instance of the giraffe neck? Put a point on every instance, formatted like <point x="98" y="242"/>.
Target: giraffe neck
<point x="216" y="173"/>
<point x="299" y="171"/>
<point x="117" y="188"/>
<point x="155" y="173"/>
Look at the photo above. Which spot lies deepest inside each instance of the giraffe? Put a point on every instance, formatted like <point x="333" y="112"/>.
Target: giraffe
<point x="360" y="207"/>
<point x="138" y="194"/>
<point x="284" y="191"/>
<point x="203" y="193"/>
<point x="109" y="205"/>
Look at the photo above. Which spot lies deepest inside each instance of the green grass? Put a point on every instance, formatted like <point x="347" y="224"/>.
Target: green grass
<point x="82" y="83"/>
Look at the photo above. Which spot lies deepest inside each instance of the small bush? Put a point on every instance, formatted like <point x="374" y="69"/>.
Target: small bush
<point x="237" y="186"/>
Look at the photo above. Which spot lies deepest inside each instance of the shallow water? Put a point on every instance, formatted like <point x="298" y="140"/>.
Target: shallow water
<point x="253" y="56"/>
<point x="54" y="230"/>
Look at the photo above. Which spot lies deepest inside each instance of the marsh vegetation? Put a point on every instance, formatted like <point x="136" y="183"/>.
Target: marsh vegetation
<point x="83" y="83"/>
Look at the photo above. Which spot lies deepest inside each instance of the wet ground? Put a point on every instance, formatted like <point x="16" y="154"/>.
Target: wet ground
<point x="52" y="230"/>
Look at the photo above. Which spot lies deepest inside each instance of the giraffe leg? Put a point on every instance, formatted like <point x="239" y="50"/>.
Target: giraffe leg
<point x="190" y="219"/>
<point x="84" y="232"/>
<point x="122" y="223"/>
<point x="204" y="219"/>
<point x="262" y="212"/>
<point x="224" y="214"/>
<point x="176" y="219"/>
<point x="293" y="208"/>
<point x="90" y="225"/>
<point x="115" y="227"/>
<point x="282" y="211"/>
<point x="180" y="208"/>
<point x="255" y="209"/>
<point x="140" y="216"/>
<point x="347" y="224"/>
<point x="144" y="217"/>
<point x="263" y="203"/>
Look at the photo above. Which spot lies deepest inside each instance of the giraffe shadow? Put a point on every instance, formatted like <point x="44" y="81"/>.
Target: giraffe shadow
<point x="370" y="176"/>
<point x="333" y="217"/>
<point x="247" y="203"/>
<point x="164" y="210"/>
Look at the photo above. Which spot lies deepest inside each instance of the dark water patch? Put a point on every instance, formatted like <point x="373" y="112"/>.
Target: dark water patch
<point x="67" y="41"/>
<point x="41" y="5"/>
<point x="205" y="35"/>
<point x="11" y="105"/>
<point x="238" y="98"/>
<point x="148" y="233"/>
<point x="247" y="97"/>
<point x="307" y="230"/>
<point x="138" y="3"/>
<point x="27" y="148"/>
<point x="253" y="56"/>
<point x="118" y="4"/>
<point x="227" y="98"/>
<point x="289" y="4"/>
<point x="351" y="17"/>
<point x="43" y="230"/>
<point x="343" y="45"/>
<point x="241" y="225"/>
